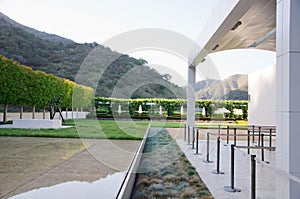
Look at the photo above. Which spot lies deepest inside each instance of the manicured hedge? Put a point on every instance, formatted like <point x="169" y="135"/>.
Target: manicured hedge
<point x="107" y="107"/>
<point x="20" y="85"/>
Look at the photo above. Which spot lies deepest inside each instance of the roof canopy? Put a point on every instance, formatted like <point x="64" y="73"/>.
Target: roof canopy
<point x="249" y="24"/>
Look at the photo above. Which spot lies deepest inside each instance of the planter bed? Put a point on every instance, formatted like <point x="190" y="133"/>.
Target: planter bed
<point x="165" y="172"/>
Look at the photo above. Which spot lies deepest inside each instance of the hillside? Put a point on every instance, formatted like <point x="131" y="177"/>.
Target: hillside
<point x="234" y="87"/>
<point x="63" y="57"/>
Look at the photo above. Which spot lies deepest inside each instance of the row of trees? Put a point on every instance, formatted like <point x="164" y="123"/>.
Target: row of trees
<point x="172" y="107"/>
<point x="20" y="85"/>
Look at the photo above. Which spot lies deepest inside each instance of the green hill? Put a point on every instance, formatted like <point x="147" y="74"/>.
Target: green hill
<point x="63" y="57"/>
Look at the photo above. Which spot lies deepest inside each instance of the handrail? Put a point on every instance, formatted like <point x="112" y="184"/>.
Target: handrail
<point x="237" y="135"/>
<point x="256" y="147"/>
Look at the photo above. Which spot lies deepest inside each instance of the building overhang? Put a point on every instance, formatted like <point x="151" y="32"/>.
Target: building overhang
<point x="247" y="24"/>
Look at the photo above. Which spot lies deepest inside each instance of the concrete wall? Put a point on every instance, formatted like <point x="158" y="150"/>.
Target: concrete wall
<point x="262" y="91"/>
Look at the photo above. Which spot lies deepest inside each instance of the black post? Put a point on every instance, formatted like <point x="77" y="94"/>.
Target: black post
<point x="248" y="142"/>
<point x="253" y="128"/>
<point x="227" y="134"/>
<point x="197" y="138"/>
<point x="217" y="171"/>
<point x="207" y="151"/>
<point x="253" y="177"/>
<point x="193" y="143"/>
<point x="259" y="132"/>
<point x="270" y="142"/>
<point x="219" y="130"/>
<point x="262" y="149"/>
<point x="234" y="134"/>
<point x="188" y="134"/>
<point x="184" y="132"/>
<point x="231" y="187"/>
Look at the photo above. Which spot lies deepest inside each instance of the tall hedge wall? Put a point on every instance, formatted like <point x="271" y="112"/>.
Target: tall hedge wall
<point x="20" y="85"/>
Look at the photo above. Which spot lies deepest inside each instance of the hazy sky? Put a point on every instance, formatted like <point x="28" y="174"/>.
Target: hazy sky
<point x="100" y="20"/>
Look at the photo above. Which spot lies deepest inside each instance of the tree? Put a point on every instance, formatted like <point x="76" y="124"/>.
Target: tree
<point x="167" y="77"/>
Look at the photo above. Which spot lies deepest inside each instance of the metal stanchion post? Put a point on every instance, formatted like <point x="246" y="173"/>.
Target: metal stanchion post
<point x="253" y="177"/>
<point x="217" y="171"/>
<point x="197" y="140"/>
<point x="259" y="132"/>
<point x="248" y="142"/>
<point x="184" y="132"/>
<point x="207" y="151"/>
<point x="193" y="143"/>
<point x="270" y="142"/>
<point x="231" y="188"/>
<point x="234" y="134"/>
<point x="227" y="134"/>
<point x="262" y="149"/>
<point x="188" y="134"/>
<point x="253" y="129"/>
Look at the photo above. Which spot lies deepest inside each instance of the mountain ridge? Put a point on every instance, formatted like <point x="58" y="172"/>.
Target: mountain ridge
<point x="40" y="34"/>
<point x="63" y="58"/>
<point x="234" y="87"/>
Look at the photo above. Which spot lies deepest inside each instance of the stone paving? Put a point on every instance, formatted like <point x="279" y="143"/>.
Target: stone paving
<point x="265" y="176"/>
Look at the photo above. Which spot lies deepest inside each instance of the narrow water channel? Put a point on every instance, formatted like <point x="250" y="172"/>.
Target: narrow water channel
<point x="107" y="187"/>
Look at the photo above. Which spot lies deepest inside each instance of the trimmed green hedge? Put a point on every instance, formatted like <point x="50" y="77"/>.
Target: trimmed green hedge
<point x="20" y="85"/>
<point x="108" y="107"/>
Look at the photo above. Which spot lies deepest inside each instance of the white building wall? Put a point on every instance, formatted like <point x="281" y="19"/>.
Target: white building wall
<point x="262" y="91"/>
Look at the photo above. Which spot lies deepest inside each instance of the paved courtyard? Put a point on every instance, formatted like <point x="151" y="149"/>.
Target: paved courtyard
<point x="265" y="172"/>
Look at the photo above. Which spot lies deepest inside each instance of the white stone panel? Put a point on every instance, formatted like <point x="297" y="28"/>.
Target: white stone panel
<point x="36" y="124"/>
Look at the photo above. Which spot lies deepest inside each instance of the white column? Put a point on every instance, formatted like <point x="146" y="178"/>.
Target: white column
<point x="191" y="99"/>
<point x="288" y="96"/>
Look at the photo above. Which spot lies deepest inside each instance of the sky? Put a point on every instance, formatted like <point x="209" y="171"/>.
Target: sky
<point x="101" y="20"/>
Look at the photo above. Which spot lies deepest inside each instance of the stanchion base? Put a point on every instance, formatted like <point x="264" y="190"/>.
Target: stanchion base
<point x="271" y="149"/>
<point x="232" y="190"/>
<point x="197" y="154"/>
<point x="209" y="161"/>
<point x="218" y="172"/>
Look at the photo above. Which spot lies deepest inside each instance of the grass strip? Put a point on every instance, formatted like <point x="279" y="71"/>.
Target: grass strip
<point x="107" y="129"/>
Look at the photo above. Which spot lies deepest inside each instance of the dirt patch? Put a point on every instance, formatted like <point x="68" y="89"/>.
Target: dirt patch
<point x="176" y="133"/>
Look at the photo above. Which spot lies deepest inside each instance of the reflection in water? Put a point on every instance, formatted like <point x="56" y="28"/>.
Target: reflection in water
<point x="104" y="188"/>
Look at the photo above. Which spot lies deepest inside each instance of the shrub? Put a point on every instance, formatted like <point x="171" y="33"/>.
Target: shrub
<point x="191" y="172"/>
<point x="188" y="193"/>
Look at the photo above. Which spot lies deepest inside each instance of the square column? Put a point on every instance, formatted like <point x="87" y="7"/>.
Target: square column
<point x="191" y="99"/>
<point x="288" y="97"/>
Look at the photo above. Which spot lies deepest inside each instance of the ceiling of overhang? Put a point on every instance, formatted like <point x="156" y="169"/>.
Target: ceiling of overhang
<point x="256" y="19"/>
<point x="255" y="23"/>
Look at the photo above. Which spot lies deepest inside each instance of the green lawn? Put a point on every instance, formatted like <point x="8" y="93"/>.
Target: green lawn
<point x="168" y="124"/>
<point x="87" y="129"/>
<point x="110" y="129"/>
<point x="202" y="125"/>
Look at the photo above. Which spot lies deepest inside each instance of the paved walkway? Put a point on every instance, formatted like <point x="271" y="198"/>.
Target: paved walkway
<point x="265" y="177"/>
